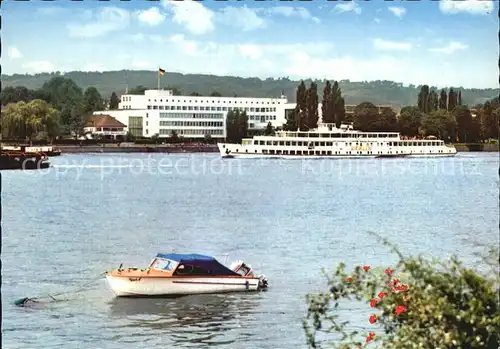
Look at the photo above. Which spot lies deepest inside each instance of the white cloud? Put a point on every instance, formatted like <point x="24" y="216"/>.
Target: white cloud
<point x="348" y="6"/>
<point x="474" y="7"/>
<point x="376" y="20"/>
<point x="152" y="16"/>
<point x="385" y="45"/>
<point x="289" y="11"/>
<point x="189" y="47"/>
<point x="242" y="17"/>
<point x="450" y="48"/>
<point x="100" y="22"/>
<point x="195" y="17"/>
<point x="397" y="11"/>
<point x="250" y="51"/>
<point x="14" y="53"/>
<point x="39" y="67"/>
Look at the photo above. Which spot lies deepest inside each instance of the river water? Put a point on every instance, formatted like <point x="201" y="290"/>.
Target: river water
<point x="288" y="219"/>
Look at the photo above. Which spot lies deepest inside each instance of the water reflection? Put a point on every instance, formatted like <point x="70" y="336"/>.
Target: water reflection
<point x="208" y="319"/>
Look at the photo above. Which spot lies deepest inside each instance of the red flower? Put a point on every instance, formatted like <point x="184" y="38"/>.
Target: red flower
<point x="370" y="337"/>
<point x="388" y="271"/>
<point x="372" y="319"/>
<point x="402" y="288"/>
<point x="348" y="279"/>
<point x="382" y="295"/>
<point x="366" y="267"/>
<point x="400" y="309"/>
<point x="373" y="302"/>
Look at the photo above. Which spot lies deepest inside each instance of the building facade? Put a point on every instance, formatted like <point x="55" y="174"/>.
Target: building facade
<point x="159" y="112"/>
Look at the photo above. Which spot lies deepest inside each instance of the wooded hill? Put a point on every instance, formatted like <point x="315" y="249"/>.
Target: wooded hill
<point x="377" y="92"/>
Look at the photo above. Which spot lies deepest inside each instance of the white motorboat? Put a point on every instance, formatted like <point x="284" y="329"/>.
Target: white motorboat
<point x="183" y="274"/>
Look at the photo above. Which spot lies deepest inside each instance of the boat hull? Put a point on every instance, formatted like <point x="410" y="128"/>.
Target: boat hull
<point x="124" y="286"/>
<point x="231" y="151"/>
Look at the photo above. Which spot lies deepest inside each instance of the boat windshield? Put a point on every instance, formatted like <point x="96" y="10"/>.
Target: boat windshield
<point x="163" y="264"/>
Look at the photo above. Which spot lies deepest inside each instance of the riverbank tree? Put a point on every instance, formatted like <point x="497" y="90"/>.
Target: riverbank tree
<point x="416" y="303"/>
<point x="23" y="120"/>
<point x="236" y="125"/>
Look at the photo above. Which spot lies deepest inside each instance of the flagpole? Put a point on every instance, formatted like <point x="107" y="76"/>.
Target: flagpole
<point x="158" y="72"/>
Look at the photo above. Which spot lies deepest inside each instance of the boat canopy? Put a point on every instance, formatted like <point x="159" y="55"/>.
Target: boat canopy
<point x="210" y="264"/>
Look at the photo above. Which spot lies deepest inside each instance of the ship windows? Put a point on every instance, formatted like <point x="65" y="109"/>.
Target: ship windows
<point x="278" y="152"/>
<point x="282" y="143"/>
<point x="264" y="151"/>
<point x="275" y="143"/>
<point x="292" y="152"/>
<point x="299" y="152"/>
<point x="271" y="151"/>
<point x="293" y="143"/>
<point x="313" y="135"/>
<point x="322" y="144"/>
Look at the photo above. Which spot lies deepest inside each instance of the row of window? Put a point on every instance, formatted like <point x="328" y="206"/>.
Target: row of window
<point x="339" y="135"/>
<point x="202" y="108"/>
<point x="193" y="123"/>
<point x="213" y="101"/>
<point x="191" y="116"/>
<point x="194" y="132"/>
<point x="331" y="144"/>
<point x="262" y="118"/>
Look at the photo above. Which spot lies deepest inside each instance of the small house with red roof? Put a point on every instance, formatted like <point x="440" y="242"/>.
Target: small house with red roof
<point x="105" y="126"/>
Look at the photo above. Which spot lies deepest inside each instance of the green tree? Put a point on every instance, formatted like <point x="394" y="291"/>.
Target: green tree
<point x="432" y="101"/>
<point x="366" y="117"/>
<point x="337" y="104"/>
<point x="236" y="125"/>
<point x="459" y="99"/>
<point x="92" y="100"/>
<point x="113" y="101"/>
<point x="452" y="99"/>
<point x="138" y="90"/>
<point x="443" y="100"/>
<point x="423" y="99"/>
<point x="409" y="121"/>
<point x="291" y="121"/>
<point x="327" y="113"/>
<point x="490" y="122"/>
<point x="312" y="115"/>
<point x="269" y="131"/>
<point x="387" y="121"/>
<point x="194" y="94"/>
<point x="417" y="303"/>
<point x="300" y="113"/>
<point x="215" y="94"/>
<point x="465" y="124"/>
<point x="439" y="123"/>
<point x="25" y="120"/>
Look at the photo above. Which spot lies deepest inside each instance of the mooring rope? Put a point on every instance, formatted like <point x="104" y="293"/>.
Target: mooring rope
<point x="78" y="288"/>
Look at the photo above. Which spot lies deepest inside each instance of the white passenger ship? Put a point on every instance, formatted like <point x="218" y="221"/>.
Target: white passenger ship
<point x="328" y="141"/>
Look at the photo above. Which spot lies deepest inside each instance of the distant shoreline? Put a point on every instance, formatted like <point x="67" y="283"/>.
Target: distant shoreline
<point x="107" y="148"/>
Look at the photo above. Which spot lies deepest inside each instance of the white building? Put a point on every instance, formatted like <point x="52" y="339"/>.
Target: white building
<point x="160" y="112"/>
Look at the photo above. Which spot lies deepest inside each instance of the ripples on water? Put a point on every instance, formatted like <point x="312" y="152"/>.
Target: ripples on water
<point x="288" y="219"/>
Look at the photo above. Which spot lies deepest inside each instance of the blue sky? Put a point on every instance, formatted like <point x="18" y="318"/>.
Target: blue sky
<point x="440" y="43"/>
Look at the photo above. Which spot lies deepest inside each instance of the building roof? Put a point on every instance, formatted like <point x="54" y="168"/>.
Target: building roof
<point x="103" y="120"/>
